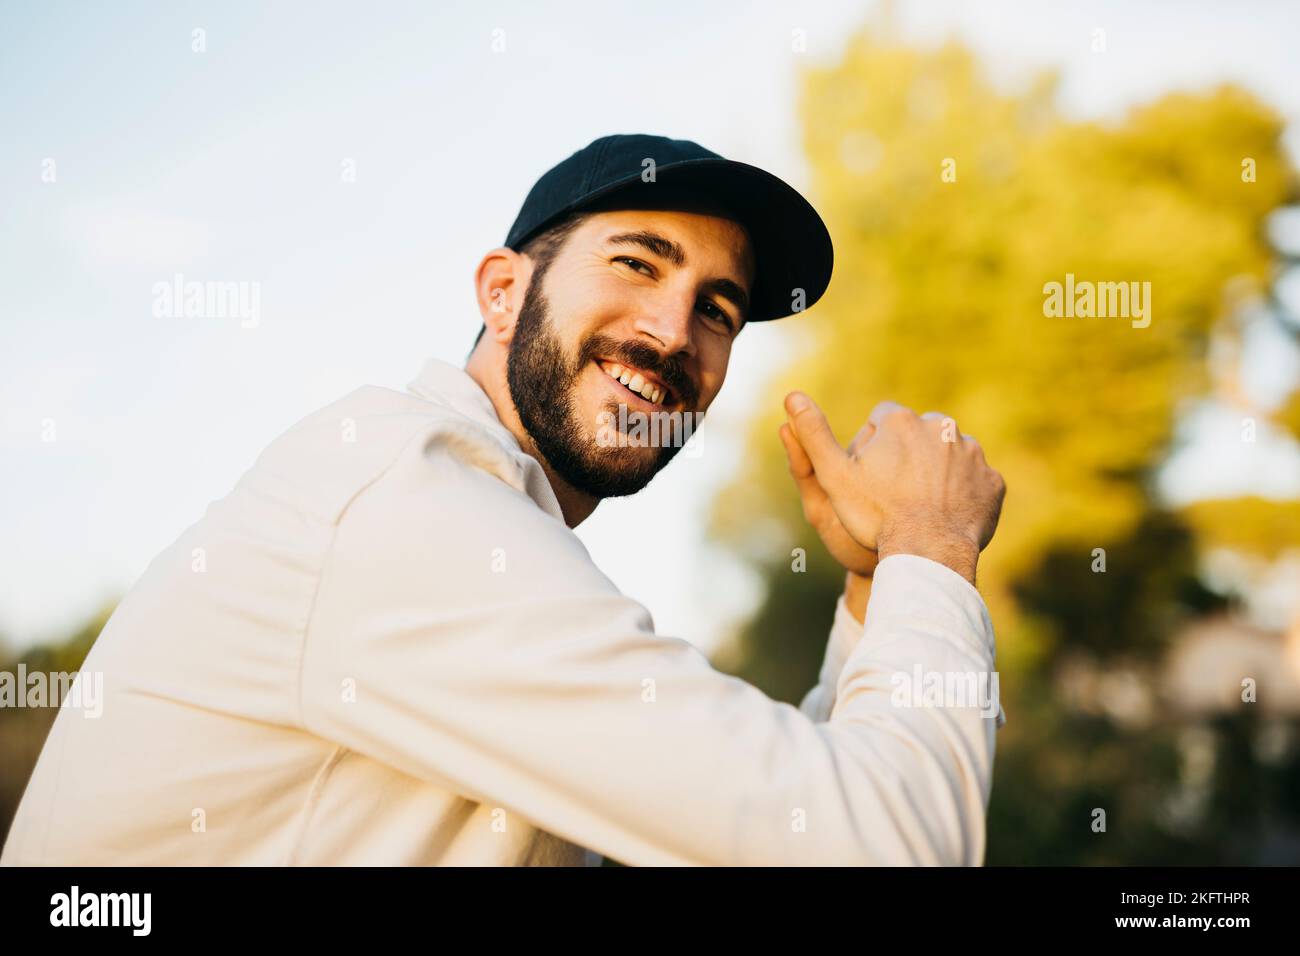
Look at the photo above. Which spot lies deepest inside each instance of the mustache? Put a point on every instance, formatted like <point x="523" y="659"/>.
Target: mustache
<point x="669" y="368"/>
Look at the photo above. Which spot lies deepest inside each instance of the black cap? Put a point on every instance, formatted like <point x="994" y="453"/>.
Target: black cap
<point x="792" y="246"/>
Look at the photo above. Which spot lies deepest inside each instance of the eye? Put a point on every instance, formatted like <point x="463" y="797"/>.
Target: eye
<point x="636" y="264"/>
<point x="712" y="311"/>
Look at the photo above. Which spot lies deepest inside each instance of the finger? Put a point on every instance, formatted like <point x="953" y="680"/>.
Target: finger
<point x="863" y="436"/>
<point x="811" y="491"/>
<point x="884" y="410"/>
<point x="941" y="417"/>
<point x="947" y="426"/>
<point x="815" y="435"/>
<point x="797" y="457"/>
<point x="801" y="465"/>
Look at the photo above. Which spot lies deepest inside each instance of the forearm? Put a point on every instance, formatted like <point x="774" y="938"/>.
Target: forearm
<point x="857" y="591"/>
<point x="924" y="622"/>
<point x="846" y="631"/>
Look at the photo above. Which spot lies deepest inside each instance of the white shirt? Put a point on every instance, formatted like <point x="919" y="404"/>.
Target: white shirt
<point x="384" y="646"/>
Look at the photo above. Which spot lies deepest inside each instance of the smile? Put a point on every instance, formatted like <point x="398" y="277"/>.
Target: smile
<point x="636" y="381"/>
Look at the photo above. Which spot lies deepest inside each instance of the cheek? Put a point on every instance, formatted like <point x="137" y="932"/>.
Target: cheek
<point x="714" y="359"/>
<point x="589" y="293"/>
<point x="600" y="308"/>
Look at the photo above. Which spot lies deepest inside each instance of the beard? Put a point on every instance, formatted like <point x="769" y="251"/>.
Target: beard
<point x="543" y="384"/>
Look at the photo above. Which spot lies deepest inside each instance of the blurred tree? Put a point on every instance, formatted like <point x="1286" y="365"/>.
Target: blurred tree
<point x="1258" y="526"/>
<point x="952" y="204"/>
<point x="23" y="730"/>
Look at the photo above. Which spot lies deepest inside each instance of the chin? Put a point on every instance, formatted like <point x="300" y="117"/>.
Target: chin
<point x="623" y="466"/>
<point x="601" y="451"/>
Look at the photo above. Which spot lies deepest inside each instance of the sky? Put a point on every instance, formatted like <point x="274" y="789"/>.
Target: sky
<point x="355" y="161"/>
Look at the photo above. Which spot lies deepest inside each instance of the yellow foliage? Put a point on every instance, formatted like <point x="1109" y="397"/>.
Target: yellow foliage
<point x="1261" y="526"/>
<point x="952" y="203"/>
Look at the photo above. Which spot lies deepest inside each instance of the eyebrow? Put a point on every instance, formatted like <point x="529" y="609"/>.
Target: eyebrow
<point x="660" y="246"/>
<point x="665" y="248"/>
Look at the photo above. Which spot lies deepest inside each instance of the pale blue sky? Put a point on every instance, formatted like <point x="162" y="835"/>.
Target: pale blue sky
<point x="225" y="165"/>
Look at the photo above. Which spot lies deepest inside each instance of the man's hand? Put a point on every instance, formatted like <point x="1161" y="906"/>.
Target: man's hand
<point x="908" y="484"/>
<point x="859" y="562"/>
<point x="817" y="509"/>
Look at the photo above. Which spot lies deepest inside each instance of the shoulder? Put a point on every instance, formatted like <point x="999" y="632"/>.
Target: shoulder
<point x="326" y="460"/>
<point x="453" y="499"/>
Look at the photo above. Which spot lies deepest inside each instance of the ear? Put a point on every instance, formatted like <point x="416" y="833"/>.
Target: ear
<point x="499" y="284"/>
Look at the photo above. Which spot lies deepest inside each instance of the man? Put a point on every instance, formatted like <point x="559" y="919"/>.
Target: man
<point x="387" y="646"/>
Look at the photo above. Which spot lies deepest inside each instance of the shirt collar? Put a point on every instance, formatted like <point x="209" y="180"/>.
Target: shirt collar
<point x="448" y="385"/>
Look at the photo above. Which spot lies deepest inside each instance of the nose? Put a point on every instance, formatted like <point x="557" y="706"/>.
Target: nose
<point x="670" y="321"/>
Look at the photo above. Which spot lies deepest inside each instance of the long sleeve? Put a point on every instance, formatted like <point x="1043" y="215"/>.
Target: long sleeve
<point x="462" y="635"/>
<point x="819" y="701"/>
<point x="844" y="636"/>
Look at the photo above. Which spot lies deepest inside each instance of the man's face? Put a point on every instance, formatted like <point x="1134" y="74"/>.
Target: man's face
<point x="653" y="296"/>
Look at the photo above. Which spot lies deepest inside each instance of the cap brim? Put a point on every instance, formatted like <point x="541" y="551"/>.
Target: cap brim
<point x="793" y="250"/>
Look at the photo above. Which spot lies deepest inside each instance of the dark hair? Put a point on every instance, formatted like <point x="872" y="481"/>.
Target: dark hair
<point x="544" y="247"/>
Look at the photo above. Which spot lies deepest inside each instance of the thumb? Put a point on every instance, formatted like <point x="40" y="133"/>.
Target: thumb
<point x="815" y="435"/>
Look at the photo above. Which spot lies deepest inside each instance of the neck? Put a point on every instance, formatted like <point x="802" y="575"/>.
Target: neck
<point x="576" y="505"/>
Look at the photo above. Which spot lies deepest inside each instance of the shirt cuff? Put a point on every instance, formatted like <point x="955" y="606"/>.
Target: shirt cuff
<point x="909" y="592"/>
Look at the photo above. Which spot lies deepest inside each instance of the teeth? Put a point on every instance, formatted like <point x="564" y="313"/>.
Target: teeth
<point x="636" y="382"/>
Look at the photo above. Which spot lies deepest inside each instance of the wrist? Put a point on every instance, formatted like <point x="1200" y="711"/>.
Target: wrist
<point x="857" y="591"/>
<point x="952" y="550"/>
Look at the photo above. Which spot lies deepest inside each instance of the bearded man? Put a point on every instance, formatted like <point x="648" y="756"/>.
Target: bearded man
<point x="395" y="650"/>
